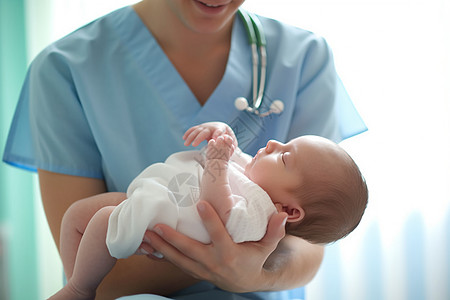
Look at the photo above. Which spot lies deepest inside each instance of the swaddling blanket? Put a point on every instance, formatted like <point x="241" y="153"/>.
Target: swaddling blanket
<point x="167" y="193"/>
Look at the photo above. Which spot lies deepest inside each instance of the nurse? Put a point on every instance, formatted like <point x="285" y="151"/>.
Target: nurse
<point x="115" y="96"/>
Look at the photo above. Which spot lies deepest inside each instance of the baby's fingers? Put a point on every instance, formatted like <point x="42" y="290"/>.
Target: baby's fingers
<point x="196" y="136"/>
<point x="190" y="135"/>
<point x="218" y="132"/>
<point x="188" y="132"/>
<point x="228" y="140"/>
<point x="221" y="148"/>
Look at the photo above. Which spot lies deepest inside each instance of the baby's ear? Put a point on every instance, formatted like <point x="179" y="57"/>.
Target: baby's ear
<point x="295" y="214"/>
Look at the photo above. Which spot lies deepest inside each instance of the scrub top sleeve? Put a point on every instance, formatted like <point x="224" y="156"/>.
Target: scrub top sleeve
<point x="62" y="139"/>
<point x="18" y="150"/>
<point x="322" y="101"/>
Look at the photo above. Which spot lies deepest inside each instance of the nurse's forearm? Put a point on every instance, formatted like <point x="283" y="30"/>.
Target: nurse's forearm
<point x="294" y="263"/>
<point x="140" y="275"/>
<point x="59" y="191"/>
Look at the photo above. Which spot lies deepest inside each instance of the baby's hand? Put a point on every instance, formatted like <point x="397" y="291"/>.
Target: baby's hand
<point x="221" y="148"/>
<point x="208" y="131"/>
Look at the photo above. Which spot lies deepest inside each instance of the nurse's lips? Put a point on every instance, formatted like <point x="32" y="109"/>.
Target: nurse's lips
<point x="212" y="5"/>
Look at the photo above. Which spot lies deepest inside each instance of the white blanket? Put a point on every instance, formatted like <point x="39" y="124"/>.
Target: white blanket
<point x="167" y="193"/>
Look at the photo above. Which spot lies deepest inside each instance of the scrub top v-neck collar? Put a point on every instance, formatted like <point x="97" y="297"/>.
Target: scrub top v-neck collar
<point x="170" y="86"/>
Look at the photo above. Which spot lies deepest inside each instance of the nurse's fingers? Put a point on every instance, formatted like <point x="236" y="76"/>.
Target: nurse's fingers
<point x="146" y="249"/>
<point x="189" y="247"/>
<point x="180" y="250"/>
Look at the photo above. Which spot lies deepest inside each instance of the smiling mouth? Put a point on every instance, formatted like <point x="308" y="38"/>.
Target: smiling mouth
<point x="209" y="5"/>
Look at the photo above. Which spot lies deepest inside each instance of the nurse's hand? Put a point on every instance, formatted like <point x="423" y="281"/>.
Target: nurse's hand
<point x="230" y="266"/>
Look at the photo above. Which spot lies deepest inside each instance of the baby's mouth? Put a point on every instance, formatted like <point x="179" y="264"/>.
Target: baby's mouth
<point x="259" y="151"/>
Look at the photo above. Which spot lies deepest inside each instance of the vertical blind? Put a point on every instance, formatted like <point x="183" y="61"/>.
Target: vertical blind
<point x="18" y="257"/>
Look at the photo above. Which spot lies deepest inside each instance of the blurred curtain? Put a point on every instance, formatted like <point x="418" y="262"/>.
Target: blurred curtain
<point x="18" y="274"/>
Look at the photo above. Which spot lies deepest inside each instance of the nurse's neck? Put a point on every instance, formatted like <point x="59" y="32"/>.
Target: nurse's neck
<point x="199" y="55"/>
<point x="177" y="30"/>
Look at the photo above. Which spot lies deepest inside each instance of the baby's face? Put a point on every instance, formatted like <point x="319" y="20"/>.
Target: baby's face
<point x="280" y="168"/>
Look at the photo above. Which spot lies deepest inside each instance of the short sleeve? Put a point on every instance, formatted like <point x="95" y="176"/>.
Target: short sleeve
<point x="50" y="130"/>
<point x="323" y="106"/>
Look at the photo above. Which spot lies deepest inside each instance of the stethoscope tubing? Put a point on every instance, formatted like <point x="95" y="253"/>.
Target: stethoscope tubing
<point x="257" y="40"/>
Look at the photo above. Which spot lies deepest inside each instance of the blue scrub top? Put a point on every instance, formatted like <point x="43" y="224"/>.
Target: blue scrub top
<point x="106" y="102"/>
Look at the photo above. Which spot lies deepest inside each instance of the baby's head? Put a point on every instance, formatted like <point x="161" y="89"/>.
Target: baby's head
<point x="316" y="183"/>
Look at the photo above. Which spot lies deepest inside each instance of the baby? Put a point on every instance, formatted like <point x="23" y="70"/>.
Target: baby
<point x="310" y="178"/>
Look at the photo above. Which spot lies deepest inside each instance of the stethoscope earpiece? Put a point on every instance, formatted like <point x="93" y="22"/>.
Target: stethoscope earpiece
<point x="276" y="107"/>
<point x="241" y="103"/>
<point x="257" y="39"/>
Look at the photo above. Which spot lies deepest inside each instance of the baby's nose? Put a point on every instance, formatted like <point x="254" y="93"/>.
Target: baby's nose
<point x="272" y="145"/>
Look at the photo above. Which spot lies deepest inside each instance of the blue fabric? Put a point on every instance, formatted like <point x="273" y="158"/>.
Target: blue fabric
<point x="106" y="102"/>
<point x="112" y="82"/>
<point x="207" y="291"/>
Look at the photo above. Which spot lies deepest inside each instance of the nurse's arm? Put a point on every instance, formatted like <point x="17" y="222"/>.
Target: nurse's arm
<point x="59" y="191"/>
<point x="134" y="275"/>
<point x="295" y="261"/>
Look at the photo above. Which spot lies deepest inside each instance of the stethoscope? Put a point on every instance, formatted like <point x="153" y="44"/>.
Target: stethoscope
<point x="257" y="39"/>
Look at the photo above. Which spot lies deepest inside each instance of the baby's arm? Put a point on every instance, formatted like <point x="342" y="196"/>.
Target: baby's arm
<point x="222" y="142"/>
<point x="215" y="187"/>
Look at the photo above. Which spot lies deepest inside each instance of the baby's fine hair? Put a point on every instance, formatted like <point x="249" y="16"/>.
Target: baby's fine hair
<point x="333" y="208"/>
